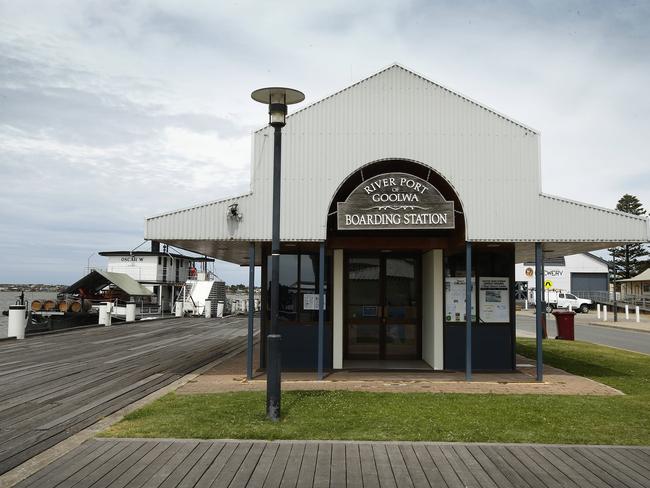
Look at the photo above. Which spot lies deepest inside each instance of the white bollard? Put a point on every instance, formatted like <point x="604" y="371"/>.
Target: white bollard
<point x="526" y="304"/>
<point x="638" y="314"/>
<point x="179" y="309"/>
<point x="627" y="312"/>
<point x="598" y="310"/>
<point x="219" y="309"/>
<point x="208" y="309"/>
<point x="570" y="307"/>
<point x="102" y="314"/>
<point x="17" y="322"/>
<point x="108" y="321"/>
<point x="605" y="313"/>
<point x="130" y="312"/>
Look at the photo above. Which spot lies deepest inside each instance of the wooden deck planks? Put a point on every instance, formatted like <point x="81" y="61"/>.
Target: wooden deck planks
<point x="610" y="478"/>
<point x="68" y="464"/>
<point x="384" y="470"/>
<point x="201" y="466"/>
<point x="323" y="463"/>
<point x="54" y="386"/>
<point x="308" y="466"/>
<point x="246" y="468"/>
<point x="292" y="468"/>
<point x="261" y="471"/>
<point x="278" y="466"/>
<point x="217" y="465"/>
<point x="413" y="466"/>
<point x="369" y="473"/>
<point x="119" y="463"/>
<point x="338" y="469"/>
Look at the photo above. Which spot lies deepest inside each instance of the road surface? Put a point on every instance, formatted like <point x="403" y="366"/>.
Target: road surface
<point x="621" y="338"/>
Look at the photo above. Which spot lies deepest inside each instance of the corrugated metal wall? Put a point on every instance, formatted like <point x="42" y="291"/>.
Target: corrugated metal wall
<point x="492" y="162"/>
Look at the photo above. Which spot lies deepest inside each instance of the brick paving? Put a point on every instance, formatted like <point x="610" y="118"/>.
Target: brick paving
<point x="231" y="376"/>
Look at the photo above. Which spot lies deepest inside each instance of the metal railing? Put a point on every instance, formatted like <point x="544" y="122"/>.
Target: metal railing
<point x="622" y="299"/>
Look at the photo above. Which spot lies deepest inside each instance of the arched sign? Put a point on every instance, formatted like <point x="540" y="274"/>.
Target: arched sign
<point x="395" y="201"/>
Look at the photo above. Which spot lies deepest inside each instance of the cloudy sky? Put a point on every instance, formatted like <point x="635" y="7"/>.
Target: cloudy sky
<point x="111" y="111"/>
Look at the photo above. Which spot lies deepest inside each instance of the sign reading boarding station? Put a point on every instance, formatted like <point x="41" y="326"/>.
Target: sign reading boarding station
<point x="395" y="201"/>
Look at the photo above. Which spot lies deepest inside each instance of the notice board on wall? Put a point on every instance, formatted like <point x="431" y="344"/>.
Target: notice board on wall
<point x="494" y="299"/>
<point x="455" y="299"/>
<point x="311" y="301"/>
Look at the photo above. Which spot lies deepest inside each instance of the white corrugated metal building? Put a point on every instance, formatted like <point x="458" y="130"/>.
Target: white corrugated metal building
<point x="584" y="274"/>
<point x="399" y="122"/>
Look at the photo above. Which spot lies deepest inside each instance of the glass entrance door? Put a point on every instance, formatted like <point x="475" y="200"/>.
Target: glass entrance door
<point x="364" y="307"/>
<point x="401" y="308"/>
<point x="382" y="307"/>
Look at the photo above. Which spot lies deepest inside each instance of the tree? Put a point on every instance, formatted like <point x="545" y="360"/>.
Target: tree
<point x="630" y="259"/>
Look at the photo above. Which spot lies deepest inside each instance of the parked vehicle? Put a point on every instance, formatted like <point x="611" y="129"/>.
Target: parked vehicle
<point x="561" y="299"/>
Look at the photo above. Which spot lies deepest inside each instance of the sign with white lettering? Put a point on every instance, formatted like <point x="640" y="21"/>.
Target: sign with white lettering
<point x="395" y="201"/>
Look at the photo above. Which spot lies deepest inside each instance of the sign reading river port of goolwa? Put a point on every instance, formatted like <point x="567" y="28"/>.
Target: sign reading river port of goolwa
<point x="395" y="201"/>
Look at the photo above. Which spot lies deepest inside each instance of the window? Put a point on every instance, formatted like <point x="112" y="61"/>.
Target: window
<point x="159" y="260"/>
<point x="309" y="276"/>
<point x="571" y="297"/>
<point x="299" y="274"/>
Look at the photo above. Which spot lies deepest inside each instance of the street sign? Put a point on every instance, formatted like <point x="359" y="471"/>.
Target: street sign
<point x="548" y="284"/>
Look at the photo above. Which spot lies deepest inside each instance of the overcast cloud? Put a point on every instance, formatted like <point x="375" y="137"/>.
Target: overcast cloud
<point x="114" y="111"/>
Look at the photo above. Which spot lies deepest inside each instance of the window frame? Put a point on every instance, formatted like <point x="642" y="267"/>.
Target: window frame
<point x="297" y="317"/>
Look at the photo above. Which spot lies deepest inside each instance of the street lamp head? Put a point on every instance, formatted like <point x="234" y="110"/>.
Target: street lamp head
<point x="277" y="98"/>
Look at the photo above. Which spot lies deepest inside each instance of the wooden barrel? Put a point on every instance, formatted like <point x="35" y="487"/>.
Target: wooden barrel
<point x="37" y="305"/>
<point x="49" y="305"/>
<point x="75" y="307"/>
<point x="63" y="305"/>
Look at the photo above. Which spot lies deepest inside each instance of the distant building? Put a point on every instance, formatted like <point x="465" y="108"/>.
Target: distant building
<point x="579" y="274"/>
<point x="638" y="285"/>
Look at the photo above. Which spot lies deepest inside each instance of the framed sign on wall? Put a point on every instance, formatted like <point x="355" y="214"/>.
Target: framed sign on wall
<point x="396" y="201"/>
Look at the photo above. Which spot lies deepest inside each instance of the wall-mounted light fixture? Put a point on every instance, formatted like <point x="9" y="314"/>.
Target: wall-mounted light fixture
<point x="234" y="213"/>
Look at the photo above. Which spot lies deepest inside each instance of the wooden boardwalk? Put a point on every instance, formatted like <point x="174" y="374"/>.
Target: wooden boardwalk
<point x="56" y="385"/>
<point x="137" y="463"/>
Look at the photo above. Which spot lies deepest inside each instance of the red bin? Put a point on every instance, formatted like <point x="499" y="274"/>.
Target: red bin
<point x="565" y="324"/>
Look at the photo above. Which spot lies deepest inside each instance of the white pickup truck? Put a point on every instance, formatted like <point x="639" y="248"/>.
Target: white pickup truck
<point x="561" y="299"/>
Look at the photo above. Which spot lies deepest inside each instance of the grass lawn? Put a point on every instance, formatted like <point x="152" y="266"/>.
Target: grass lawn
<point x="425" y="416"/>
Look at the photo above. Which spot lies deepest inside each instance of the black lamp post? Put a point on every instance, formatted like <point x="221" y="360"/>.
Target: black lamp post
<point x="277" y="99"/>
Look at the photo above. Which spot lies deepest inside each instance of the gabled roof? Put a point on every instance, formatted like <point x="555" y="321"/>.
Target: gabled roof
<point x="598" y="258"/>
<point x="491" y="162"/>
<point x="397" y="66"/>
<point x="97" y="280"/>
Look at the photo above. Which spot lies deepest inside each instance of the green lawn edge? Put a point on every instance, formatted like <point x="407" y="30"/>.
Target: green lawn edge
<point x="365" y="416"/>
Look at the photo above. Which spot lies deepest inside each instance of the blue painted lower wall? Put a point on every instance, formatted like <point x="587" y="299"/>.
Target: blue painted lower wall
<point x="491" y="347"/>
<point x="300" y="346"/>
